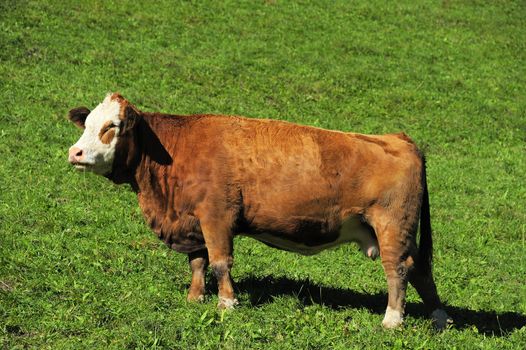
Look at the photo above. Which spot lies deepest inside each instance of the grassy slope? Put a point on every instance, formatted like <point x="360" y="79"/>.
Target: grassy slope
<point x="78" y="268"/>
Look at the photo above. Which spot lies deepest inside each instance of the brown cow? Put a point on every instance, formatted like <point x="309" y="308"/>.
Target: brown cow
<point x="203" y="179"/>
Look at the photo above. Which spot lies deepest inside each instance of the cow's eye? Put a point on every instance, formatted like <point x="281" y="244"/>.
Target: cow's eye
<point x="108" y="128"/>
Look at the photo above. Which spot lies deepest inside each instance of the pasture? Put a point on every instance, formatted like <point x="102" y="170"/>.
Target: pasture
<point x="80" y="269"/>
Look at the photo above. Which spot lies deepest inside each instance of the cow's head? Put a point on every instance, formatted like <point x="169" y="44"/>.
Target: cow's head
<point x="105" y="129"/>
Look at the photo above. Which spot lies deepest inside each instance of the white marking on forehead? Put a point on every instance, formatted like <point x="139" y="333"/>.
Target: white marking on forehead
<point x="109" y="109"/>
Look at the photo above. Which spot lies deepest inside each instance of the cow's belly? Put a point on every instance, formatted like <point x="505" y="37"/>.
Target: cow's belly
<point x="352" y="230"/>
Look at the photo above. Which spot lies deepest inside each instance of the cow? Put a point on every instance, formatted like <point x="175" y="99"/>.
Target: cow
<point x="203" y="179"/>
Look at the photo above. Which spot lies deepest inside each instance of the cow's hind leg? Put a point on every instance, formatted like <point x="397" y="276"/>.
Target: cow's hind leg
<point x="422" y="280"/>
<point x="396" y="252"/>
<point x="198" y="264"/>
<point x="397" y="262"/>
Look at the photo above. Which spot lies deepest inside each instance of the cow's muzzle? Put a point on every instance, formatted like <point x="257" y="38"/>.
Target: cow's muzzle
<point x="75" y="156"/>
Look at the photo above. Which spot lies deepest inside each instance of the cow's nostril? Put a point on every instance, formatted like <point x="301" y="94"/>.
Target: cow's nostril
<point x="75" y="154"/>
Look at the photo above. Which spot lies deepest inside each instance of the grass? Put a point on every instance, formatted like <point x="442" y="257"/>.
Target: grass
<point x="79" y="268"/>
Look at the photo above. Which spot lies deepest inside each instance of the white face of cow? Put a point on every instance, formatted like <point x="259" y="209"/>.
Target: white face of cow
<point x="95" y="150"/>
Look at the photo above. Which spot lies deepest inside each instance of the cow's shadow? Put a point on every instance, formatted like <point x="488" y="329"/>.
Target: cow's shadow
<point x="263" y="290"/>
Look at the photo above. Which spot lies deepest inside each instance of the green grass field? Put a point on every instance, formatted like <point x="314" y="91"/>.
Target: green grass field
<point x="80" y="269"/>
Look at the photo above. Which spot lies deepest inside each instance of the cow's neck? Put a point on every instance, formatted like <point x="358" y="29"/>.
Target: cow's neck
<point x="154" y="132"/>
<point x="157" y="139"/>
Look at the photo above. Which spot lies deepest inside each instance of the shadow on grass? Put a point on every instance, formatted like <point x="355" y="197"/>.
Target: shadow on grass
<point x="263" y="290"/>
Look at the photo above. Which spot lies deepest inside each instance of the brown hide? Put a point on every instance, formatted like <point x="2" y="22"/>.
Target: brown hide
<point x="292" y="181"/>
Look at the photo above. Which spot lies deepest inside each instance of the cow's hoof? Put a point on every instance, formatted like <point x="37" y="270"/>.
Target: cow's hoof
<point x="440" y="319"/>
<point x="227" y="304"/>
<point x="392" y="319"/>
<point x="195" y="298"/>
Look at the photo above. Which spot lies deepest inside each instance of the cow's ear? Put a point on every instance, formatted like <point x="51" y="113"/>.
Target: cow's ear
<point x="78" y="116"/>
<point x="131" y="118"/>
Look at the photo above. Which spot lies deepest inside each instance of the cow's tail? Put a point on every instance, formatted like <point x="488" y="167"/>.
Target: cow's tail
<point x="425" y="250"/>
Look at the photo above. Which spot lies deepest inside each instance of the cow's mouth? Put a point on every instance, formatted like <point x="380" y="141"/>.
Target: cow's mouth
<point x="81" y="166"/>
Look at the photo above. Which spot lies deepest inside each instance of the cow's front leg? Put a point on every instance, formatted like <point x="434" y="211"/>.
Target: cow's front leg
<point x="219" y="242"/>
<point x="198" y="264"/>
<point x="221" y="270"/>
